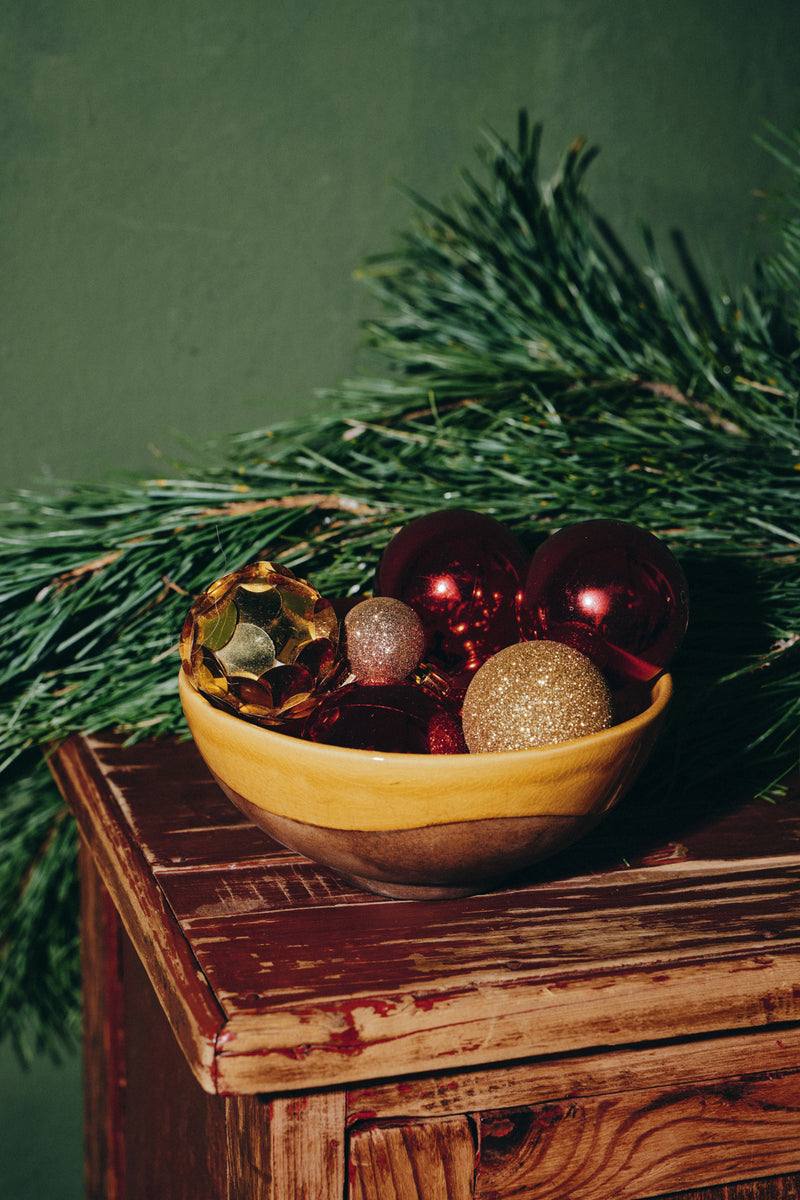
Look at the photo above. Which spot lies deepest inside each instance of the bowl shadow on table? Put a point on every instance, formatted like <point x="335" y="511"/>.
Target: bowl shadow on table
<point x="698" y="798"/>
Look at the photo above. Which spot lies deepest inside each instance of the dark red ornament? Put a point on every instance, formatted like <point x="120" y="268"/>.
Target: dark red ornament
<point x="461" y="572"/>
<point x="395" y="718"/>
<point x="612" y="590"/>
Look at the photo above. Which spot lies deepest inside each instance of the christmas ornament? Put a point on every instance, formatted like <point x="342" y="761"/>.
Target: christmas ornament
<point x="534" y="694"/>
<point x="260" y="642"/>
<point x="613" y="591"/>
<point x="384" y="640"/>
<point x="460" y="571"/>
<point x="397" y="718"/>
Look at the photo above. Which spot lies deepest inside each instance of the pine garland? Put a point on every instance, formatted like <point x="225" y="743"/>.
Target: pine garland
<point x="533" y="371"/>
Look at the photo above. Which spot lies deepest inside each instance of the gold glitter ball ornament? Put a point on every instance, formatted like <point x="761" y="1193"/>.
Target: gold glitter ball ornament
<point x="384" y="640"/>
<point x="260" y="642"/>
<point x="534" y="694"/>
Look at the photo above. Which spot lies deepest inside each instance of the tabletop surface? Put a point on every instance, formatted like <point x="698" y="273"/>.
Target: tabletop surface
<point x="278" y="975"/>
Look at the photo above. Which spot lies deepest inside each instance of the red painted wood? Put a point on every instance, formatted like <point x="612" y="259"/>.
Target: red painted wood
<point x="175" y="1133"/>
<point x="194" y="1012"/>
<point x="263" y="958"/>
<point x="727" y="827"/>
<point x="103" y="1023"/>
<point x="182" y="818"/>
<point x="775" y="1187"/>
<point x="200" y="826"/>
<point x="250" y="969"/>
<point x="547" y="935"/>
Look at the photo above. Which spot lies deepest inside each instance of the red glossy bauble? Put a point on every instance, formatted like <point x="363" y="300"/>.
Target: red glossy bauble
<point x="612" y="590"/>
<point x="461" y="572"/>
<point x="396" y="718"/>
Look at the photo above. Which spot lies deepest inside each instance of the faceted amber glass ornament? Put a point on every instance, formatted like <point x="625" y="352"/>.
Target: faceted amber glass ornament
<point x="261" y="642"/>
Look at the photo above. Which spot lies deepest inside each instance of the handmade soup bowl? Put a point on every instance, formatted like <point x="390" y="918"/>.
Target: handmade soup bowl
<point x="422" y="826"/>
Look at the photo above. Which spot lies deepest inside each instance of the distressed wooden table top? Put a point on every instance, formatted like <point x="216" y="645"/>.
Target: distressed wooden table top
<point x="277" y="975"/>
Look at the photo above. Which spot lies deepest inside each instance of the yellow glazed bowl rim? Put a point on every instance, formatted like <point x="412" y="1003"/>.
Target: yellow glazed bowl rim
<point x="340" y="788"/>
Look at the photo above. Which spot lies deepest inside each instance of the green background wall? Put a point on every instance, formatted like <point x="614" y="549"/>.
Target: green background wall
<point x="186" y="187"/>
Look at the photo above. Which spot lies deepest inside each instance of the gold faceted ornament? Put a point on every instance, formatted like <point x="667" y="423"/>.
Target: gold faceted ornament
<point x="261" y="642"/>
<point x="534" y="694"/>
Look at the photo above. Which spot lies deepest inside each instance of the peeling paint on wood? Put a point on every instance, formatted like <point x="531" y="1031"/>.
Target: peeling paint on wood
<point x="595" y="1029"/>
<point x="313" y="979"/>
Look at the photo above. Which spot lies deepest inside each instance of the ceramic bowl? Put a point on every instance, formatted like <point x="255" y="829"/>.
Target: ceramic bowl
<point x="416" y="825"/>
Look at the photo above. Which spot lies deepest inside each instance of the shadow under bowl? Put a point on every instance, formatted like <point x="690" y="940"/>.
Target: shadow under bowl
<point x="418" y="826"/>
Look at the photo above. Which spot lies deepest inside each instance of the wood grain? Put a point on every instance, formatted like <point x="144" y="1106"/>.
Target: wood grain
<point x="773" y="1187"/>
<point x="430" y="1161"/>
<point x="198" y="824"/>
<point x="698" y="1062"/>
<point x="549" y="933"/>
<point x="279" y="976"/>
<point x="307" y="1140"/>
<point x="372" y="1036"/>
<point x="595" y="1030"/>
<point x="248" y="1153"/>
<point x="639" y="1144"/>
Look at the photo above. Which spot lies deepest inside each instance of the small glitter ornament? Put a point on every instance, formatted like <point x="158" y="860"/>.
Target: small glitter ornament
<point x="460" y="571"/>
<point x="534" y="694"/>
<point x="260" y="642"/>
<point x="396" y="718"/>
<point x="612" y="590"/>
<point x="384" y="640"/>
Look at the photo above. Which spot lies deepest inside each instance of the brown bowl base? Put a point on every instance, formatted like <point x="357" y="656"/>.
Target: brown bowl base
<point x="431" y="862"/>
<point x="411" y="891"/>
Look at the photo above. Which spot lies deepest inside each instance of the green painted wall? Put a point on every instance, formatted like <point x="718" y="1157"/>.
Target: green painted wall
<point x="187" y="185"/>
<point x="41" y="1137"/>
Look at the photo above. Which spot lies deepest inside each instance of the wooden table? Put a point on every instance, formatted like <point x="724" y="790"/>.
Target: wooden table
<point x="603" y="1030"/>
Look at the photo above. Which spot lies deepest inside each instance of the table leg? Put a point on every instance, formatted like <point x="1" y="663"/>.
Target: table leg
<point x="150" y="1129"/>
<point x="286" y="1148"/>
<point x="104" y="1079"/>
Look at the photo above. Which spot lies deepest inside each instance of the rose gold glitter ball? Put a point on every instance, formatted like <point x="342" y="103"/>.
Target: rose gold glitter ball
<point x="534" y="694"/>
<point x="384" y="640"/>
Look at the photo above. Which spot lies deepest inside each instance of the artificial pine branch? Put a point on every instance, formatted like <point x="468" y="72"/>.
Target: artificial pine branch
<point x="534" y="371"/>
